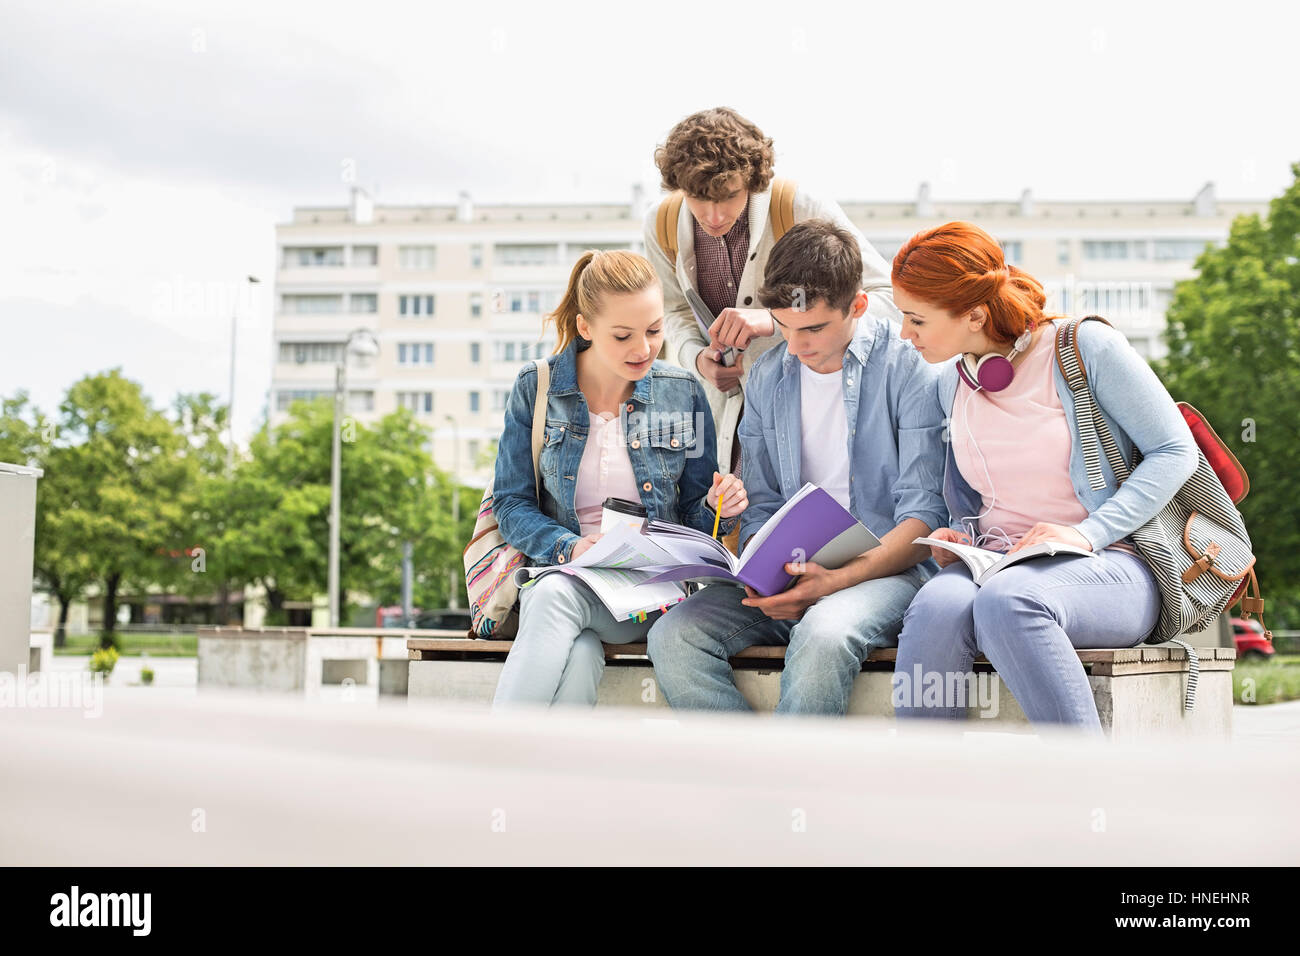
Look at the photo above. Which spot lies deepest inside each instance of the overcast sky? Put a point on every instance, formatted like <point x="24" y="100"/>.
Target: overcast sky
<point x="148" y="149"/>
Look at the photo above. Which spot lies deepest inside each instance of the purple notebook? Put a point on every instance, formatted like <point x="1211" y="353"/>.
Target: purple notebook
<point x="811" y="526"/>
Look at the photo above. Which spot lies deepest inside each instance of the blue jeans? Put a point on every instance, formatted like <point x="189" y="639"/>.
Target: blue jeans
<point x="691" y="643"/>
<point x="1028" y="620"/>
<point x="557" y="657"/>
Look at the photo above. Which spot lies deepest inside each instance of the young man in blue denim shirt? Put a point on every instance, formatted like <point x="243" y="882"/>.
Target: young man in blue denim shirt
<point x="852" y="408"/>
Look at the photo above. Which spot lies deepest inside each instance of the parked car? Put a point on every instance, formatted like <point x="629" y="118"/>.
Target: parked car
<point x="443" y="619"/>
<point x="1251" y="643"/>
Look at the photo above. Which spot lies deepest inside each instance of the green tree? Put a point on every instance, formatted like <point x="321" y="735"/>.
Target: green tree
<point x="270" y="523"/>
<point x="1234" y="353"/>
<point x="121" y="478"/>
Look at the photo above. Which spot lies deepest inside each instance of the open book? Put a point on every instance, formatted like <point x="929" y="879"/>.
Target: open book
<point x="811" y="526"/>
<point x="984" y="563"/>
<point x="614" y="569"/>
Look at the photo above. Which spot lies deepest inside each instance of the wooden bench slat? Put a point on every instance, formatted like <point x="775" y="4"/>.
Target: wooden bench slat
<point x="1170" y="658"/>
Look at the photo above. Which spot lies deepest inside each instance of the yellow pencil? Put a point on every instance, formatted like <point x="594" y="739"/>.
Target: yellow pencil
<point x="717" y="515"/>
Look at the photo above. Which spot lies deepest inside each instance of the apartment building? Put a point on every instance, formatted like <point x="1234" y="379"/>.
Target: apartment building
<point x="455" y="294"/>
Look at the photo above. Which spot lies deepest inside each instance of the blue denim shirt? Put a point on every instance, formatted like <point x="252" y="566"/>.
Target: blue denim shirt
<point x="1139" y="412"/>
<point x="670" y="442"/>
<point x="895" y="428"/>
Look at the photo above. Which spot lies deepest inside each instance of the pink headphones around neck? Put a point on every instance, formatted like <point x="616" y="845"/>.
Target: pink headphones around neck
<point x="993" y="372"/>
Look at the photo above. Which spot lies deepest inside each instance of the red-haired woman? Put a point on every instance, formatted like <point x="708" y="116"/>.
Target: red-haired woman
<point x="1015" y="476"/>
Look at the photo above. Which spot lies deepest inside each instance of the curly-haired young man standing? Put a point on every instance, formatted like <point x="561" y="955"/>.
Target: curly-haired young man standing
<point x="713" y="236"/>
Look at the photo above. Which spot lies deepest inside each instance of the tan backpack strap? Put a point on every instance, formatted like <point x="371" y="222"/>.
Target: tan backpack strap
<point x="666" y="224"/>
<point x="781" y="210"/>
<point x="539" y="419"/>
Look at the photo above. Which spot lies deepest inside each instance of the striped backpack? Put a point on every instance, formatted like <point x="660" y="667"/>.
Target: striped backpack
<point x="1197" y="545"/>
<point x="490" y="562"/>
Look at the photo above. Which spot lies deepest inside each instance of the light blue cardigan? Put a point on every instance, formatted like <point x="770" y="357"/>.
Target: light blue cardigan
<point x="1139" y="412"/>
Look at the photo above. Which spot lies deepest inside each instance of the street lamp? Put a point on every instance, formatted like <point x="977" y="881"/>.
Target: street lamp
<point x="363" y="344"/>
<point x="454" y="591"/>
<point x="230" y="411"/>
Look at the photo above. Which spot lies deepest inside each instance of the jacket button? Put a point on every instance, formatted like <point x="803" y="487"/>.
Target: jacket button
<point x="749" y="298"/>
<point x="636" y="443"/>
<point x="560" y="559"/>
<point x="646" y="487"/>
<point x="561" y="429"/>
<point x="673" y="443"/>
<point x="629" y="406"/>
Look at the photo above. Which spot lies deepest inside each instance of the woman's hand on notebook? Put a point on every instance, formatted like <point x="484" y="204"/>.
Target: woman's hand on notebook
<point x="732" y="491"/>
<point x="813" y="582"/>
<point x="582" y="544"/>
<point x="1052" y="532"/>
<point x="942" y="556"/>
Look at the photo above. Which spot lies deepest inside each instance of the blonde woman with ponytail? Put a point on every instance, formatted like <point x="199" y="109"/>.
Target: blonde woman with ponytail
<point x="619" y="424"/>
<point x="1015" y="476"/>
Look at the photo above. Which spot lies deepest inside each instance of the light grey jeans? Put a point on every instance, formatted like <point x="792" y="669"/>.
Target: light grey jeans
<point x="557" y="656"/>
<point x="1028" y="621"/>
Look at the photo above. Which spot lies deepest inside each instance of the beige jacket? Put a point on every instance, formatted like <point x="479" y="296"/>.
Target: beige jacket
<point x="685" y="339"/>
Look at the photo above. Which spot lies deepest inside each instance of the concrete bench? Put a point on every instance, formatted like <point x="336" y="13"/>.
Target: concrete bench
<point x="1139" y="691"/>
<point x="305" y="659"/>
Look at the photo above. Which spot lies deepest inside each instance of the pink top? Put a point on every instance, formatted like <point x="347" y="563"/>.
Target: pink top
<point x="1020" y="450"/>
<point x="604" y="472"/>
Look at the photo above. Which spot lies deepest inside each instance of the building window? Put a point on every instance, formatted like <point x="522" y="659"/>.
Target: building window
<point x="310" y="353"/>
<point x="361" y="401"/>
<point x="363" y="302"/>
<point x="499" y="399"/>
<point x="1125" y="299"/>
<point x="473" y="452"/>
<point x="1062" y="252"/>
<point x="286" y="397"/>
<point x="419" y="402"/>
<point x="365" y="256"/>
<point x="1170" y="250"/>
<point x="476" y="256"/>
<point x="475" y="353"/>
<point x="527" y="254"/>
<point x="473" y="401"/>
<point x="475" y="305"/>
<point x="311" y="257"/>
<point x="1012" y="251"/>
<point x="415" y="305"/>
<point x="415" y="353"/>
<point x="416" y="258"/>
<point x="312" y="303"/>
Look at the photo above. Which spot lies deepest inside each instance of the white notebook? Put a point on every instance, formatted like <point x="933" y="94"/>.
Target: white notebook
<point x="984" y="563"/>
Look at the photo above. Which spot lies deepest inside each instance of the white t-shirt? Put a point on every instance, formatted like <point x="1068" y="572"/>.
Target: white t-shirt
<point x="825" y="440"/>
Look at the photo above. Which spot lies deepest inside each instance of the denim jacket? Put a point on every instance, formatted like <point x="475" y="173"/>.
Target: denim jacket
<point x="670" y="442"/>
<point x="1139" y="412"/>
<point x="895" y="446"/>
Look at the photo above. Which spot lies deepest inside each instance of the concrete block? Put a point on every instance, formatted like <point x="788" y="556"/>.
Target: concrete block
<point x="337" y="671"/>
<point x="261" y="662"/>
<point x="393" y="675"/>
<point x="42" y="651"/>
<point x="1133" y="706"/>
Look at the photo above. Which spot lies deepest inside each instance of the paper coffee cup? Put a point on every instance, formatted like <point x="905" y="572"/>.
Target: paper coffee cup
<point x="616" y="511"/>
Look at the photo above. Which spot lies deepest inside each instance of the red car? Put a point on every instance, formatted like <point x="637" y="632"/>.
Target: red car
<point x="1250" y="640"/>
